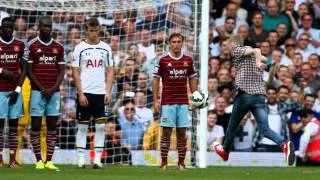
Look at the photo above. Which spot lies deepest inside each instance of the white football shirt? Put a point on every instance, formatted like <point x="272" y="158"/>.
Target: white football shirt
<point x="93" y="59"/>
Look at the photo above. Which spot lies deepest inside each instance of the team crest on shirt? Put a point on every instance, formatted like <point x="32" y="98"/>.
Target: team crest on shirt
<point x="169" y="64"/>
<point x="39" y="51"/>
<point x="165" y="119"/>
<point x="185" y="63"/>
<point x="16" y="48"/>
<point x="54" y="50"/>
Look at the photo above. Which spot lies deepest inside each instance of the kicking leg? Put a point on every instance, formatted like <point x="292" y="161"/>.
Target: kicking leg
<point x="260" y="113"/>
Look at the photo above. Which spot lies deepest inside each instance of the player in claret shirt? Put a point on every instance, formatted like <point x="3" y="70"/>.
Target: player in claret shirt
<point x="175" y="69"/>
<point x="46" y="68"/>
<point x="12" y="75"/>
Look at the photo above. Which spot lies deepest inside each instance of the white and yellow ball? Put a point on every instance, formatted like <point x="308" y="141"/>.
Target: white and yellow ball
<point x="198" y="99"/>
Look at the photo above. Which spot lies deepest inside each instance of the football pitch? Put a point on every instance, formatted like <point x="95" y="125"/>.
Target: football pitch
<point x="118" y="172"/>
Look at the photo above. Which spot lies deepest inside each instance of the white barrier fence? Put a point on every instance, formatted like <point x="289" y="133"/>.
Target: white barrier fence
<point x="152" y="158"/>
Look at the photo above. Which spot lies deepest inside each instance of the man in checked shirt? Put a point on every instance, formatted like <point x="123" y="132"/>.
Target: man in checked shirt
<point x="250" y="64"/>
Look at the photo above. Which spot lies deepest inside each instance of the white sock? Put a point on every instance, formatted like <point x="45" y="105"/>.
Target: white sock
<point x="81" y="140"/>
<point x="99" y="142"/>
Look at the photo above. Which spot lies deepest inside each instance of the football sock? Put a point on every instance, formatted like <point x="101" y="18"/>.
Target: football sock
<point x="164" y="148"/>
<point x="51" y="142"/>
<point x="35" y="141"/>
<point x="13" y="142"/>
<point x="1" y="144"/>
<point x="182" y="149"/>
<point x="99" y="142"/>
<point x="81" y="140"/>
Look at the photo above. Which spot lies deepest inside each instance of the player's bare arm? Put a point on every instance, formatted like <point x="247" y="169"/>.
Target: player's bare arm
<point x="14" y="95"/>
<point x="33" y="78"/>
<point x="76" y="76"/>
<point x="109" y="80"/>
<point x="155" y="94"/>
<point x="7" y="75"/>
<point x="49" y="91"/>
<point x="23" y="74"/>
<point x="193" y="83"/>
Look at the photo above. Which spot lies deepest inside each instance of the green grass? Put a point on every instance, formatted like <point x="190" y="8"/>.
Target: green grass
<point x="154" y="173"/>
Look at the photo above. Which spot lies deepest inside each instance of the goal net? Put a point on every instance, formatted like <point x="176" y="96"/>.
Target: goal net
<point x="137" y="31"/>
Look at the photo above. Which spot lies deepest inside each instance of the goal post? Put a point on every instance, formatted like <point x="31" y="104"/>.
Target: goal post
<point x="204" y="81"/>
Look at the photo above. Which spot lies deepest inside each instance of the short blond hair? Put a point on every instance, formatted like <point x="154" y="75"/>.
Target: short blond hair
<point x="236" y="39"/>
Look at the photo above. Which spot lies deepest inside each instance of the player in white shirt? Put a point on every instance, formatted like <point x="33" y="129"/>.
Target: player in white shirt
<point x="93" y="74"/>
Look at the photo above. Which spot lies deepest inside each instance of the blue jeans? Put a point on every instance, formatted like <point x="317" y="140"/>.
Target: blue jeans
<point x="257" y="105"/>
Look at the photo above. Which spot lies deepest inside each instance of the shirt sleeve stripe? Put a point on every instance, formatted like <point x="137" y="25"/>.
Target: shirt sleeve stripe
<point x="193" y="75"/>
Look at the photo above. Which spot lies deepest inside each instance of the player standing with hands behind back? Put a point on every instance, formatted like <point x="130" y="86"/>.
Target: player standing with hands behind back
<point x="12" y="75"/>
<point x="175" y="69"/>
<point x="93" y="72"/>
<point x="249" y="64"/>
<point x="46" y="68"/>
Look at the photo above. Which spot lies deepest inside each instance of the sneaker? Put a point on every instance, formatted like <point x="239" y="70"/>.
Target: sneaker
<point x="288" y="149"/>
<point x="220" y="151"/>
<point x="14" y="164"/>
<point x="181" y="167"/>
<point x="81" y="164"/>
<point x="164" y="166"/>
<point x="40" y="165"/>
<point x="97" y="166"/>
<point x="50" y="165"/>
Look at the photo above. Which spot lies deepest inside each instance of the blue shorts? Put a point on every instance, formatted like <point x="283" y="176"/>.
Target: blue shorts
<point x="174" y="116"/>
<point x="10" y="112"/>
<point x="40" y="106"/>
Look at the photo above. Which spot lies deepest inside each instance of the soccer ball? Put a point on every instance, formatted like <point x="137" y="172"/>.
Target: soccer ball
<point x="199" y="99"/>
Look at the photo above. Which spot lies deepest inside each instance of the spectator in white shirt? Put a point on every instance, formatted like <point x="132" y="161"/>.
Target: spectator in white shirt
<point x="146" y="46"/>
<point x="241" y="13"/>
<point x="215" y="132"/>
<point x="231" y="11"/>
<point x="244" y="138"/>
<point x="303" y="46"/>
<point x="307" y="28"/>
